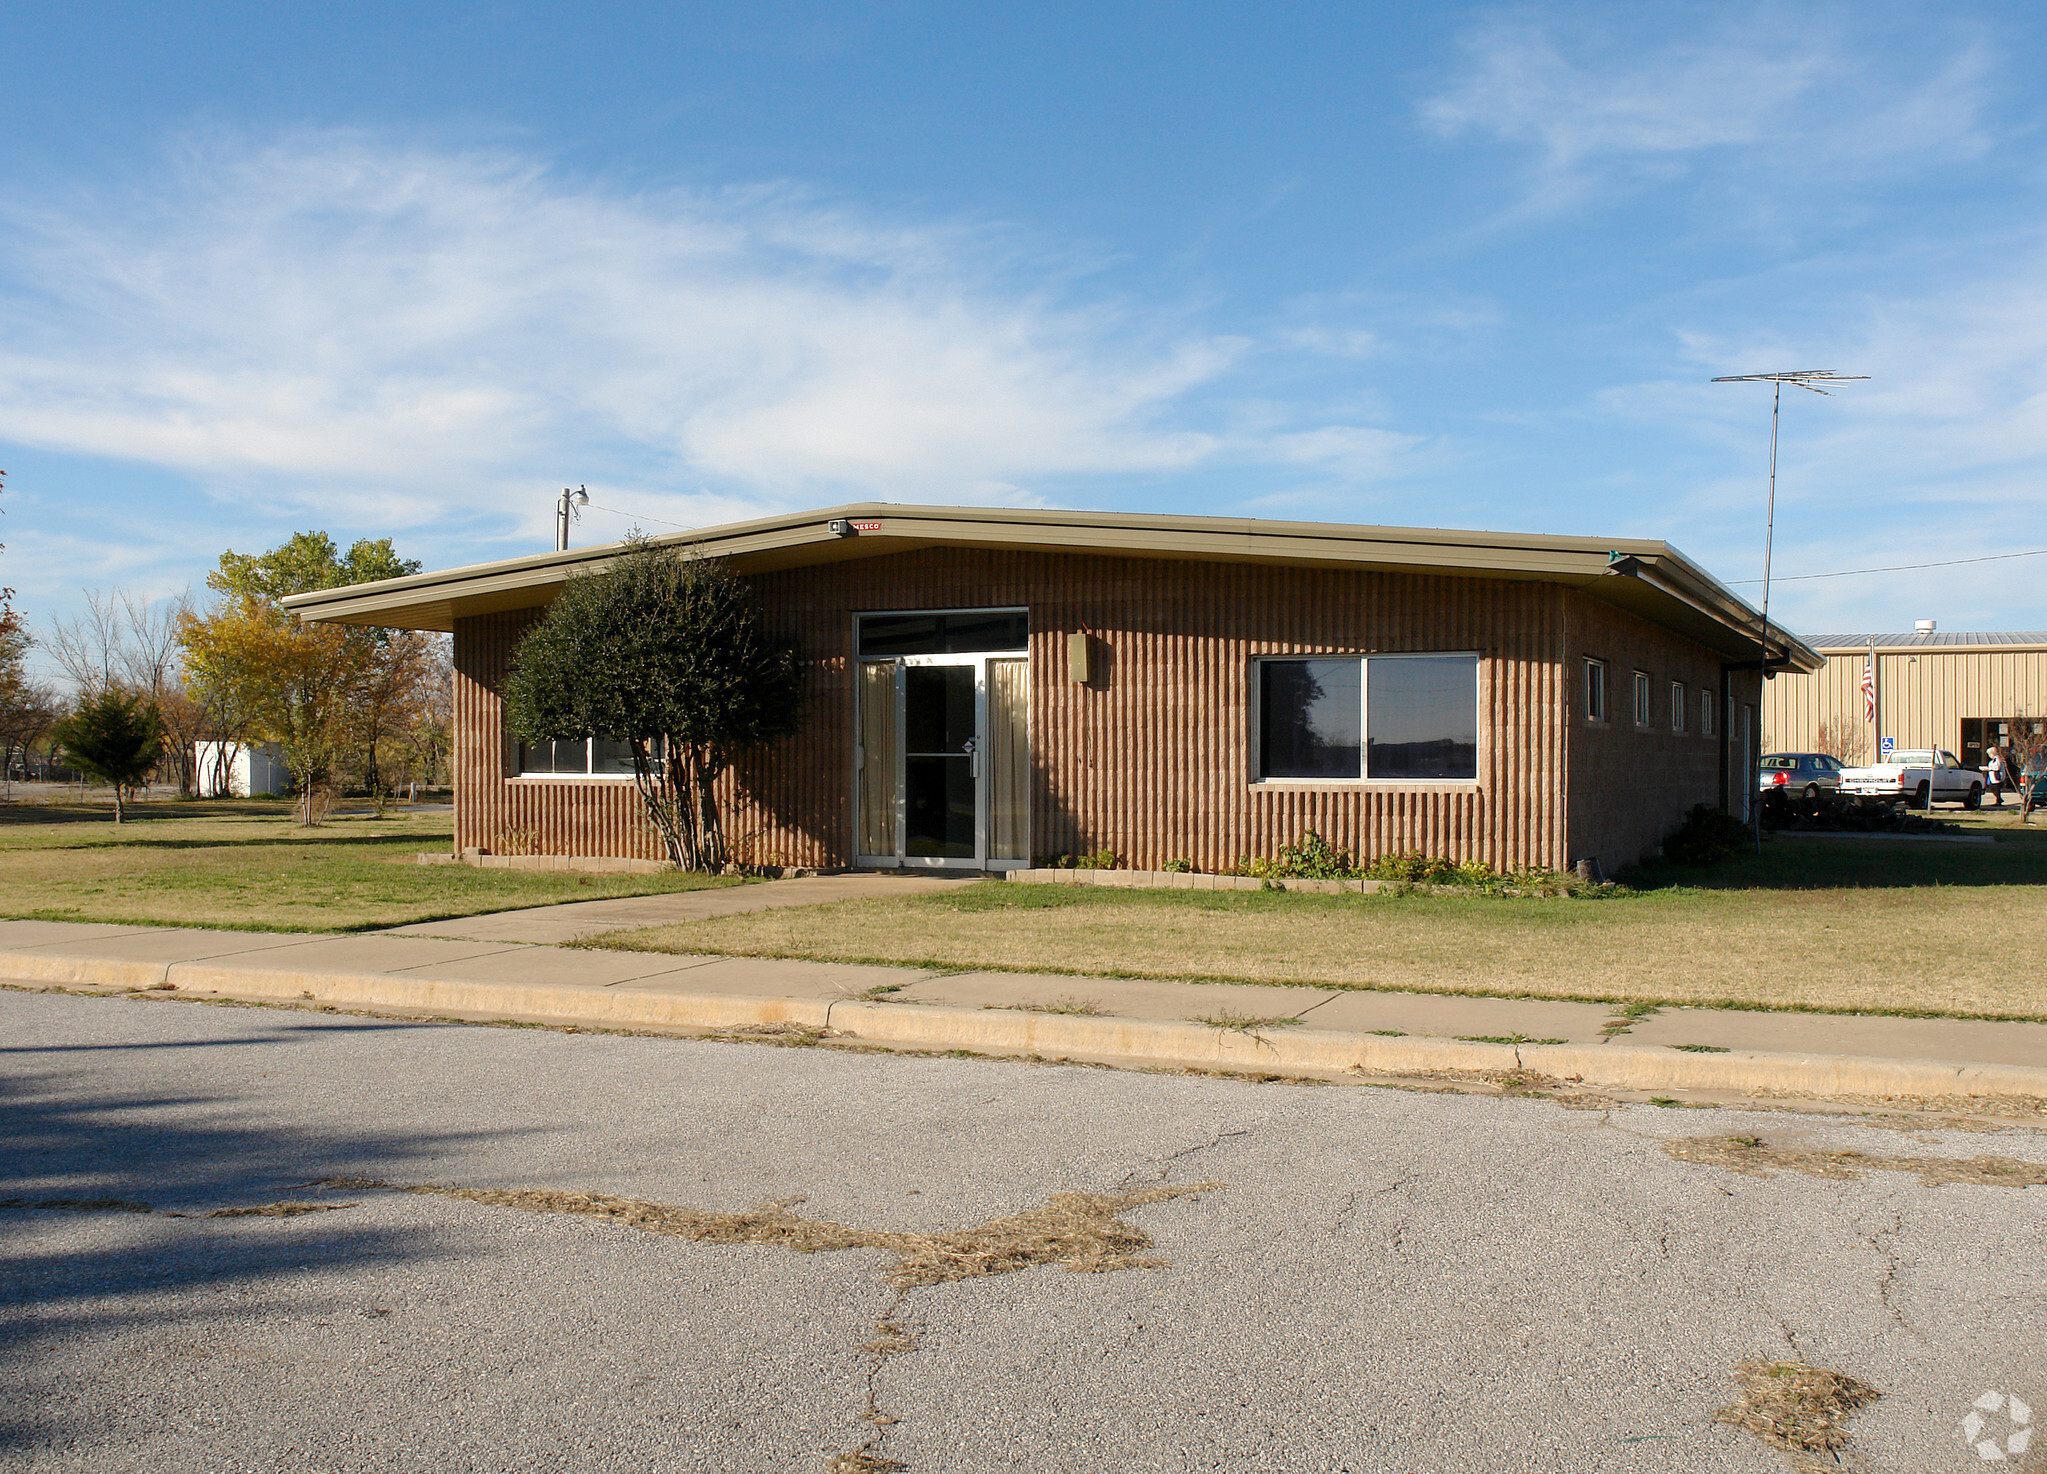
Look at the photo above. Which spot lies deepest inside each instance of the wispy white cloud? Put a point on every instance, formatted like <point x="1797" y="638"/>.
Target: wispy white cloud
<point x="1777" y="97"/>
<point x="404" y="334"/>
<point x="1939" y="455"/>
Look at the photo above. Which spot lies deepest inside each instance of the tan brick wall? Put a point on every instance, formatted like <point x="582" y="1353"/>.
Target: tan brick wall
<point x="1152" y="758"/>
<point x="1629" y="785"/>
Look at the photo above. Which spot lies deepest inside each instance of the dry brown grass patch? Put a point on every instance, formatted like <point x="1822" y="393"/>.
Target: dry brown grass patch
<point x="1753" y="1156"/>
<point x="1079" y="1230"/>
<point x="1916" y="947"/>
<point x="1795" y="1407"/>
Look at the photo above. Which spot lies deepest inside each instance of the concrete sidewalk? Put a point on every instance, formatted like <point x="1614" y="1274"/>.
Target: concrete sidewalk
<point x="574" y="919"/>
<point x="1110" y="1020"/>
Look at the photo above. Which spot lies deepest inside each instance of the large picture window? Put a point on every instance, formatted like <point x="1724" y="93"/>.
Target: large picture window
<point x="1389" y="717"/>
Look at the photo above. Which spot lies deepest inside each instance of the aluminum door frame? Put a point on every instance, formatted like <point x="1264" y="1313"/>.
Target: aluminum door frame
<point x="902" y="859"/>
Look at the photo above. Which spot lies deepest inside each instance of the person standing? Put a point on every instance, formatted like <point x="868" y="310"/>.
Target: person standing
<point x="1993" y="770"/>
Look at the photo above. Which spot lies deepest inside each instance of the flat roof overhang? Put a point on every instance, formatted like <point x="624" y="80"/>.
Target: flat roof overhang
<point x="1648" y="578"/>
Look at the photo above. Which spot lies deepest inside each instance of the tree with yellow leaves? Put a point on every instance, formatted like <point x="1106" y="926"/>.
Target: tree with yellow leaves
<point x="315" y="690"/>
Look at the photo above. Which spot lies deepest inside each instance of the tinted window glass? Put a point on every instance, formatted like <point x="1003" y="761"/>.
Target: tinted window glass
<point x="537" y="758"/>
<point x="611" y="757"/>
<point x="965" y="632"/>
<point x="1309" y="718"/>
<point x="938" y="708"/>
<point x="1423" y="712"/>
<point x="1779" y="762"/>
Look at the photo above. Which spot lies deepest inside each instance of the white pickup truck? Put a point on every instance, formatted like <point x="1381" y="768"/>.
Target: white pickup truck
<point x="1920" y="778"/>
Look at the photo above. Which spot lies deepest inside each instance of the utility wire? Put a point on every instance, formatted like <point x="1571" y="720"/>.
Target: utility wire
<point x="642" y="517"/>
<point x="1897" y="567"/>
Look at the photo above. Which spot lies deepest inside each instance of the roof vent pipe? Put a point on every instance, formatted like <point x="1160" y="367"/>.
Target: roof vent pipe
<point x="1924" y="626"/>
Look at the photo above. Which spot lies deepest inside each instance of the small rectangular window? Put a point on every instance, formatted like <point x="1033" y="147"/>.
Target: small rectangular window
<point x="1595" y="690"/>
<point x="565" y="756"/>
<point x="1641" y="698"/>
<point x="576" y="757"/>
<point x="1706" y="713"/>
<point x="953" y="632"/>
<point x="1677" y="706"/>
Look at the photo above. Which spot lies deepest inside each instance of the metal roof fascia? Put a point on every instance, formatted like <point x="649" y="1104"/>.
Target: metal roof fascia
<point x="1541" y="556"/>
<point x="1680" y="579"/>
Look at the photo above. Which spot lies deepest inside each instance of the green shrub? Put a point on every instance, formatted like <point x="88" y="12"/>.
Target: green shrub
<point x="1707" y="836"/>
<point x="1180" y="867"/>
<point x="1314" y="858"/>
<point x="1415" y="869"/>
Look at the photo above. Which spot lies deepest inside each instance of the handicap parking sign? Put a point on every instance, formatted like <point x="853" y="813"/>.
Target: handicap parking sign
<point x="1887" y="744"/>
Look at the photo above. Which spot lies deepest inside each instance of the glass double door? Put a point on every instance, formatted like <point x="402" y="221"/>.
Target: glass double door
<point x="944" y="762"/>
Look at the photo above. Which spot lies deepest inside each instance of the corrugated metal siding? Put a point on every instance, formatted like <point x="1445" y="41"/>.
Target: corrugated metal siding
<point x="1151" y="758"/>
<point x="1926" y="696"/>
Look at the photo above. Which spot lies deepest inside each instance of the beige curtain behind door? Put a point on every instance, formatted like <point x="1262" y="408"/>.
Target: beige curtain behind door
<point x="878" y="762"/>
<point x="1009" y="760"/>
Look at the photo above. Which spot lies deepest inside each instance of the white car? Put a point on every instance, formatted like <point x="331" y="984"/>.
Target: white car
<point x="1920" y="777"/>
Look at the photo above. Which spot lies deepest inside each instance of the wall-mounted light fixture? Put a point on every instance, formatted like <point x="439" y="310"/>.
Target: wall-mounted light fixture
<point x="1079" y="658"/>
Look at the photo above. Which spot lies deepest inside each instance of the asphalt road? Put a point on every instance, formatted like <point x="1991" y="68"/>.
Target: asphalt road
<point x="1384" y="1281"/>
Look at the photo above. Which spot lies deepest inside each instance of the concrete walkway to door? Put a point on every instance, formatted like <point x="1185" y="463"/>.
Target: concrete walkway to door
<point x="553" y="925"/>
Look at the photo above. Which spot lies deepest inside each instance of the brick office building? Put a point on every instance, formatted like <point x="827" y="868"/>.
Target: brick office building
<point x="990" y="686"/>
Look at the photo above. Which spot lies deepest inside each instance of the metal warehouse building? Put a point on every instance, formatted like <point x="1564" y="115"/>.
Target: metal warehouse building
<point x="1957" y="691"/>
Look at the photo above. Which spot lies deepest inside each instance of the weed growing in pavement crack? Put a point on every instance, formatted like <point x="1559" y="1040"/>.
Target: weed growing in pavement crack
<point x="1064" y="1003"/>
<point x="1625" y="1017"/>
<point x="1083" y="1231"/>
<point x="1506" y="1039"/>
<point x="1798" y="1408"/>
<point x="1079" y="1230"/>
<point x="1752" y="1156"/>
<point x="1243" y="1022"/>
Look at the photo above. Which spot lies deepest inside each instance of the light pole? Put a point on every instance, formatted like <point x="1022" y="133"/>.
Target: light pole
<point x="570" y="505"/>
<point x="1804" y="379"/>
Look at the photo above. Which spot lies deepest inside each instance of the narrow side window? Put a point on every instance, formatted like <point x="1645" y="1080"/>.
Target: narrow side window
<point x="1595" y="690"/>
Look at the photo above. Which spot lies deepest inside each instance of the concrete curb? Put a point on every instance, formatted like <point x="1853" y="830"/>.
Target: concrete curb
<point x="1011" y="1031"/>
<point x="1291" y="1049"/>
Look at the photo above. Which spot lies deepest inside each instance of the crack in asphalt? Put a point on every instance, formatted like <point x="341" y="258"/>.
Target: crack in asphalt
<point x="1165" y="1163"/>
<point x="1083" y="1231"/>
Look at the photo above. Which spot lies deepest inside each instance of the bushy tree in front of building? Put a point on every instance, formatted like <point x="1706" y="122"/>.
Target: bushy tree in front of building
<point x="664" y="650"/>
<point x="114" y="737"/>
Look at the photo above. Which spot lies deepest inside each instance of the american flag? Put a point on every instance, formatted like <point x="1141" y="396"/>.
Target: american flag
<point x="1869" y="690"/>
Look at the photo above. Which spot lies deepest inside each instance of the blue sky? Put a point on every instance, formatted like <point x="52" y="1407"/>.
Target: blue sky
<point x="407" y="270"/>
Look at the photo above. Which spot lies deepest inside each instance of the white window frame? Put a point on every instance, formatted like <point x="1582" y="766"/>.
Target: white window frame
<point x="1256" y="710"/>
<point x="1644" y="697"/>
<point x="1677" y="707"/>
<point x="1705" y="713"/>
<point x="1598" y="713"/>
<point x="586" y="776"/>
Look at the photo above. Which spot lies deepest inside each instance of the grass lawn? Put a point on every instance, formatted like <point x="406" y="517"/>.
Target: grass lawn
<point x="1863" y="925"/>
<point x="249" y="866"/>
